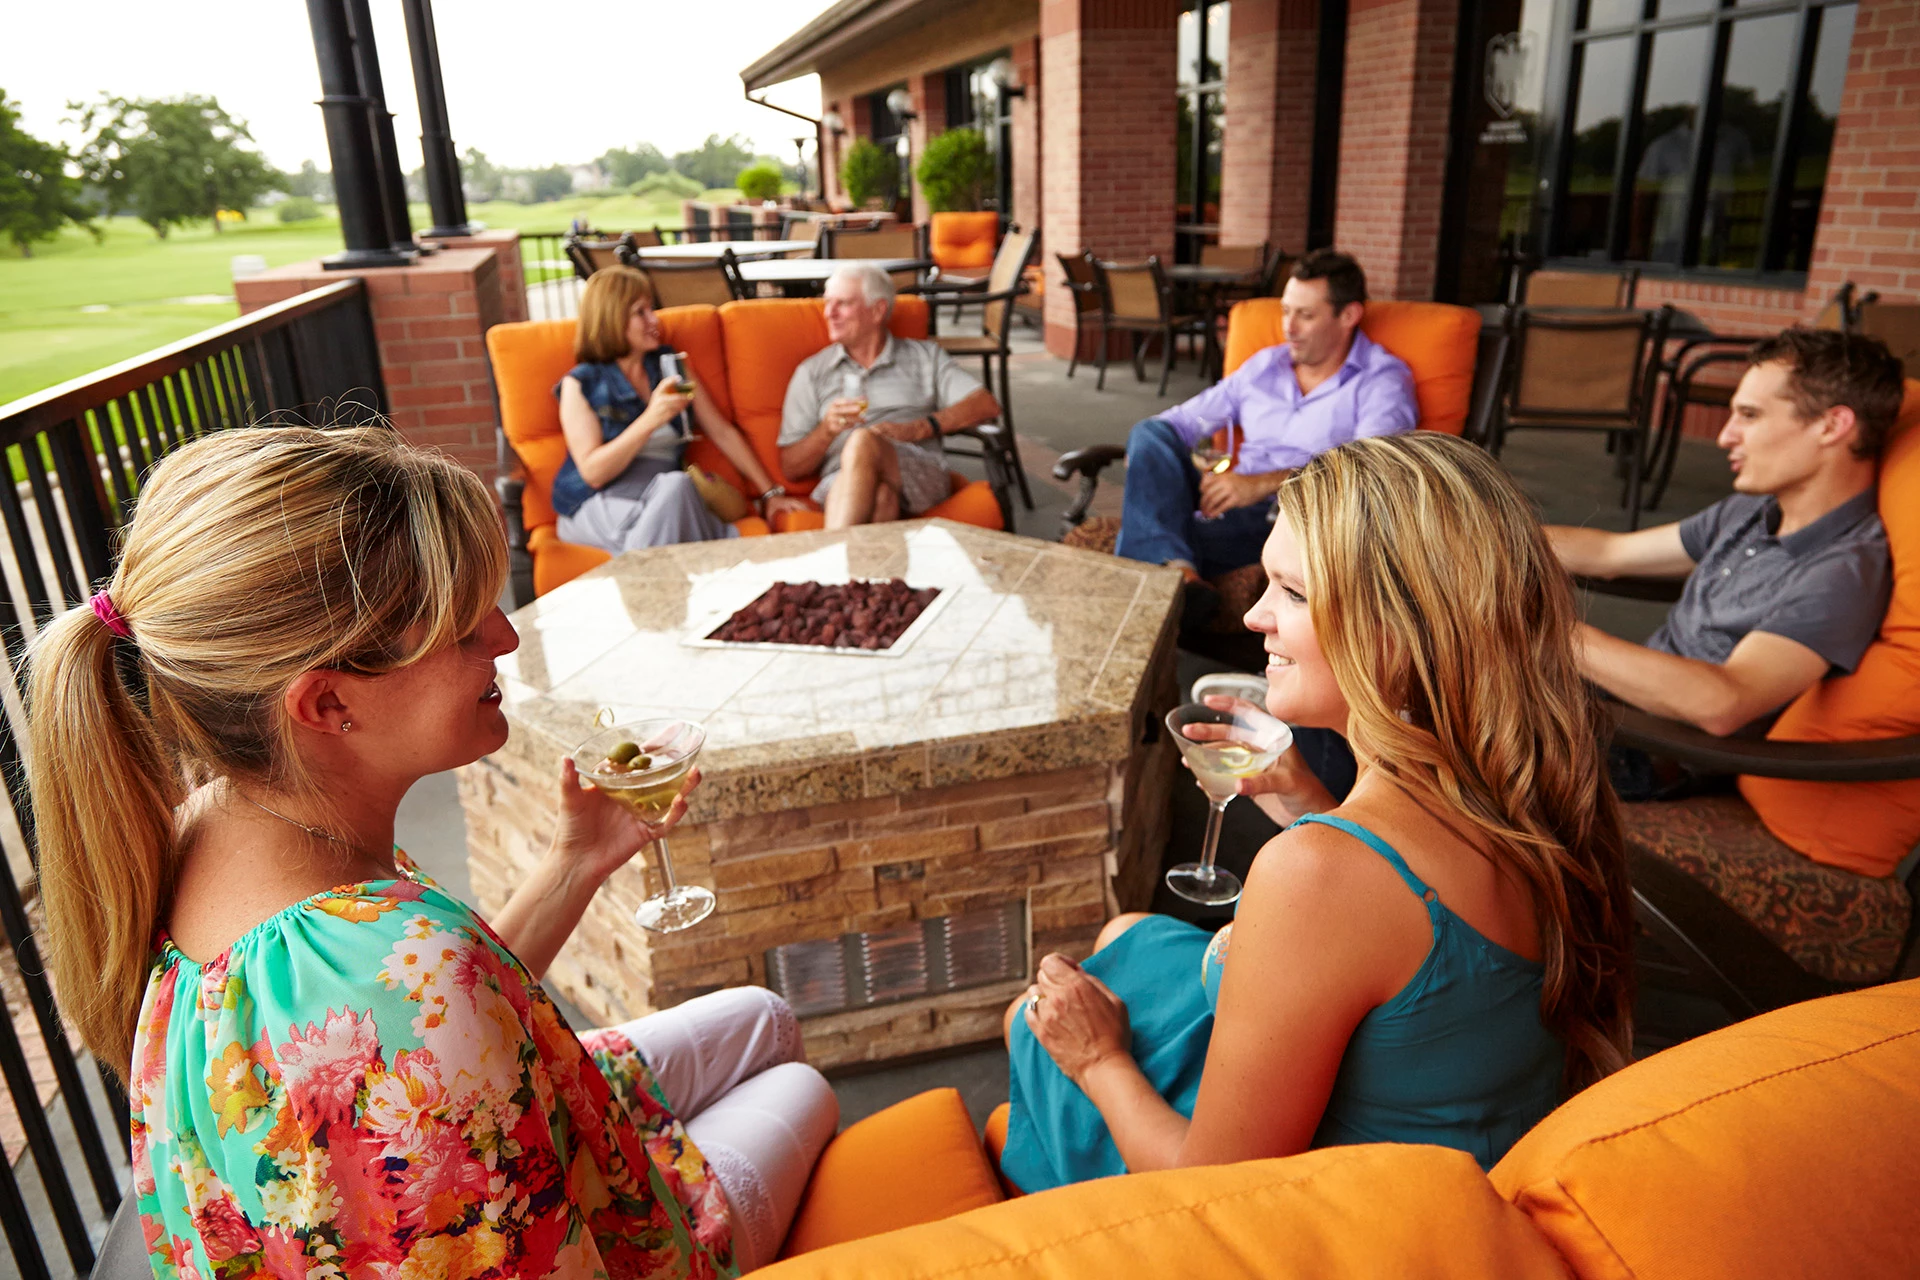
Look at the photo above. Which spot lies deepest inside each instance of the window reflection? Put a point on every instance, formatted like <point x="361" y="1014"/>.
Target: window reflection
<point x="1814" y="133"/>
<point x="1663" y="172"/>
<point x="1605" y="74"/>
<point x="1753" y="104"/>
<point x="1611" y="13"/>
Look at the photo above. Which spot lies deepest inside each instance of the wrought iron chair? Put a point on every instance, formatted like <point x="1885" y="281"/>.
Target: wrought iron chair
<point x="1586" y="370"/>
<point x="1136" y="298"/>
<point x="1003" y="285"/>
<point x="1580" y="288"/>
<point x="686" y="284"/>
<point x="881" y="240"/>
<point x="1083" y="284"/>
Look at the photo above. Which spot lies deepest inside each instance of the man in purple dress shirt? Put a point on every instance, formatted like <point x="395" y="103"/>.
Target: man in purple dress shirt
<point x="1326" y="385"/>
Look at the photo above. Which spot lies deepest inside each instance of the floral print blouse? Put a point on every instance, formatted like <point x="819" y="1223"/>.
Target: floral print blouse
<point x="370" y="1086"/>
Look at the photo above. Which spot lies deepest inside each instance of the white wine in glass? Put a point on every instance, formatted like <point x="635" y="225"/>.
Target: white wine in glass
<point x="1222" y="745"/>
<point x="643" y="765"/>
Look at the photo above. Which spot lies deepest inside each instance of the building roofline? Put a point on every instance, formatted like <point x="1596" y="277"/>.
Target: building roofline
<point x="802" y="52"/>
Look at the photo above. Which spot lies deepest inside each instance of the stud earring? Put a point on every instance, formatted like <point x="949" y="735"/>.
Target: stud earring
<point x="345" y="725"/>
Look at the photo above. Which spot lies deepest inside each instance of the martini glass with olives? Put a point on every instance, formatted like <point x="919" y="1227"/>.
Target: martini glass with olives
<point x="642" y="764"/>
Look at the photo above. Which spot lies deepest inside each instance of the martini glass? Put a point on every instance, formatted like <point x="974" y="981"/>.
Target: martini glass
<point x="1222" y="745"/>
<point x="662" y="752"/>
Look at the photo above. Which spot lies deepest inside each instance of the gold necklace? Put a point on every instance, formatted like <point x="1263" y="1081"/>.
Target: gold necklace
<point x="317" y="832"/>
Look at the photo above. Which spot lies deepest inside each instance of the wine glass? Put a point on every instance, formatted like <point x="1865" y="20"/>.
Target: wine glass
<point x="1209" y="456"/>
<point x="642" y="764"/>
<point x="853" y="386"/>
<point x="672" y="366"/>
<point x="1222" y="745"/>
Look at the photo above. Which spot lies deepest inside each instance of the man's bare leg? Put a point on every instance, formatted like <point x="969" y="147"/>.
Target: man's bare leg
<point x="868" y="465"/>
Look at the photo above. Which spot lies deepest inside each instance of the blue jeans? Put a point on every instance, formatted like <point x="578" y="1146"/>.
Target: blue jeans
<point x="1159" y="510"/>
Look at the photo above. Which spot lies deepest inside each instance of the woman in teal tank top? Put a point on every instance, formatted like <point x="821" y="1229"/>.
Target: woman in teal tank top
<point x="1439" y="957"/>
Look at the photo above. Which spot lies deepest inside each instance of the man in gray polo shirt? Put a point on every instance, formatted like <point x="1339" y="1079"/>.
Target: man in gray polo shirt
<point x="867" y="413"/>
<point x="1788" y="577"/>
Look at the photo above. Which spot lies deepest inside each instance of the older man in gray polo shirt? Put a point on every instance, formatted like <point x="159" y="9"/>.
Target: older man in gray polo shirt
<point x="1788" y="577"/>
<point x="867" y="413"/>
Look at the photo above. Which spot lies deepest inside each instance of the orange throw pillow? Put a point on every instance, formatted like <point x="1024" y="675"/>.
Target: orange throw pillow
<point x="1866" y="827"/>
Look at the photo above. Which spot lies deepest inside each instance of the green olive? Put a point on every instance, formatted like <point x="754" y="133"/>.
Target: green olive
<point x="641" y="763"/>
<point x="624" y="752"/>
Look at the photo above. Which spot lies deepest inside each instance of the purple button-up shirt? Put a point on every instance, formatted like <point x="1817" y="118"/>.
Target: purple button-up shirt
<point x="1371" y="394"/>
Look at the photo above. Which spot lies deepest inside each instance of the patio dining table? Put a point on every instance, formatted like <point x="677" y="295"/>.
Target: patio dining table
<point x="803" y="277"/>
<point x="1205" y="284"/>
<point x="744" y="250"/>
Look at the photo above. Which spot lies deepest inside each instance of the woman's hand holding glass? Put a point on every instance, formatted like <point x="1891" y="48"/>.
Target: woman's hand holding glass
<point x="1289" y="785"/>
<point x="597" y="834"/>
<point x="1076" y="1018"/>
<point x="665" y="404"/>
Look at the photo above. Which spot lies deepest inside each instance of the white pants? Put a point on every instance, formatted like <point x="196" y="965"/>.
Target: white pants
<point x="731" y="1067"/>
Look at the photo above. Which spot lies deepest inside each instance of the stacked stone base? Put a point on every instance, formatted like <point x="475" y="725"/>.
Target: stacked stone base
<point x="1060" y="843"/>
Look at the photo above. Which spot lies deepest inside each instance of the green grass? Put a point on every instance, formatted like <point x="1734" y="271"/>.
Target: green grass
<point x="45" y="337"/>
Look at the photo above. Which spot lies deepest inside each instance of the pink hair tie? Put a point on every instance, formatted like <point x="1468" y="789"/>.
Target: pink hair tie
<point x="104" y="610"/>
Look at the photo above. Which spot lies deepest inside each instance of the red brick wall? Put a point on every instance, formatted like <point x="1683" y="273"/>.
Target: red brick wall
<point x="1393" y="140"/>
<point x="1267" y="151"/>
<point x="930" y="102"/>
<point x="1027" y="180"/>
<point x="430" y="321"/>
<point x="1107" y="121"/>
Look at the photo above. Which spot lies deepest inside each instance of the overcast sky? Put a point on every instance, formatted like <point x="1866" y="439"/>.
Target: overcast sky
<point x="528" y="83"/>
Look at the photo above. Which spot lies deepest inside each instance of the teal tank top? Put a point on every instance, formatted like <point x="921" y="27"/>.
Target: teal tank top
<point x="1458" y="1057"/>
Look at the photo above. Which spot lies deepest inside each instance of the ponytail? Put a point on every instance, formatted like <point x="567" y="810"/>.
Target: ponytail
<point x="103" y="799"/>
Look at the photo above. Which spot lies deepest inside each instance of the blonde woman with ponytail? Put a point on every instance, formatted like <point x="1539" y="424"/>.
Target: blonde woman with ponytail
<point x="334" y="1066"/>
<point x="1439" y="957"/>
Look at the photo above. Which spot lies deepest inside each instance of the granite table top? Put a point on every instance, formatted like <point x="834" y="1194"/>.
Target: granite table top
<point x="1032" y="663"/>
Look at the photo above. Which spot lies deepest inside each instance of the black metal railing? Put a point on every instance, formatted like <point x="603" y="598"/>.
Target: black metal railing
<point x="78" y="455"/>
<point x="553" y="285"/>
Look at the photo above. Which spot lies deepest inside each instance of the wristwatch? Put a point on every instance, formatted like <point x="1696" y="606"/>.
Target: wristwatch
<point x="933" y="428"/>
<point x="772" y="491"/>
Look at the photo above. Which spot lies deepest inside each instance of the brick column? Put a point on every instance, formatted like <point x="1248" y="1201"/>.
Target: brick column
<point x="430" y="320"/>
<point x="1026" y="137"/>
<point x="1393" y="140"/>
<point x="1870" y="215"/>
<point x="1107" y="122"/>
<point x="930" y="121"/>
<point x="1266" y="162"/>
<point x="513" y="276"/>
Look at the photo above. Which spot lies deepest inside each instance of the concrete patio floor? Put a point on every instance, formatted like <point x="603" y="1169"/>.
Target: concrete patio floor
<point x="1567" y="474"/>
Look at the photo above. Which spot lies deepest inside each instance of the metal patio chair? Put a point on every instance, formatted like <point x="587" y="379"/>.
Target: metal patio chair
<point x="990" y="342"/>
<point x="683" y="284"/>
<point x="1136" y="298"/>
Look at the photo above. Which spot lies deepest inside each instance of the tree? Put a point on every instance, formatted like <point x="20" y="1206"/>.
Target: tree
<point x="715" y="162"/>
<point x="624" y="166"/>
<point x="954" y="170"/>
<point x="170" y="161"/>
<point x="313" y="182"/>
<point x="550" y="183"/>
<point x="37" y="198"/>
<point x="480" y="178"/>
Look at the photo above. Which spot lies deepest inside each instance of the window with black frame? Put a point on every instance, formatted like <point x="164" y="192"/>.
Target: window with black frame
<point x="975" y="101"/>
<point x="1695" y="133"/>
<point x="1201" y="83"/>
<point x="887" y="132"/>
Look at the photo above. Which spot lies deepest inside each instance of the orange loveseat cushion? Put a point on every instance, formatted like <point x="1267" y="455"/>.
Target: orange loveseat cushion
<point x="917" y="1161"/>
<point x="1866" y="827"/>
<point x="1382" y="1210"/>
<point x="770" y="338"/>
<point x="964" y="242"/>
<point x="1439" y="342"/>
<point x="1782" y="1145"/>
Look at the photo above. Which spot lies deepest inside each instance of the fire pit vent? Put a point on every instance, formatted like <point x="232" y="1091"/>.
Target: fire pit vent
<point x="882" y="966"/>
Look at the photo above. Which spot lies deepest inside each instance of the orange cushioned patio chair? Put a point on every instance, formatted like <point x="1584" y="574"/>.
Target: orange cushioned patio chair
<point x="1780" y="1146"/>
<point x="530" y="357"/>
<point x="1440" y="344"/>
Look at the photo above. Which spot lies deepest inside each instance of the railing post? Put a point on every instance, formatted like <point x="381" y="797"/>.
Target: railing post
<point x="444" y="193"/>
<point x="356" y="164"/>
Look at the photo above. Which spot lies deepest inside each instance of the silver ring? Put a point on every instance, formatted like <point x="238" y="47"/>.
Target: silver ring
<point x="1033" y="1005"/>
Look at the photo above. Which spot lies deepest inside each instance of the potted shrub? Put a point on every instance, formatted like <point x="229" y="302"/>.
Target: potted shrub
<point x="954" y="171"/>
<point x="758" y="184"/>
<point x="866" y="172"/>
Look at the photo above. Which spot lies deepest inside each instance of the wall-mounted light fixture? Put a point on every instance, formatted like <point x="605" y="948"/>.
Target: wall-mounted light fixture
<point x="900" y="103"/>
<point x="1004" y="76"/>
<point x="835" y="125"/>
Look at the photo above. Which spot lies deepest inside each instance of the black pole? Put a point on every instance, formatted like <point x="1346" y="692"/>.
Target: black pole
<point x="393" y="179"/>
<point x="350" y="149"/>
<point x="444" y="194"/>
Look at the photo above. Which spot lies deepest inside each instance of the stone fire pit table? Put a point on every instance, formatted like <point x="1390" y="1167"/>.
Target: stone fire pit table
<point x="893" y="839"/>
